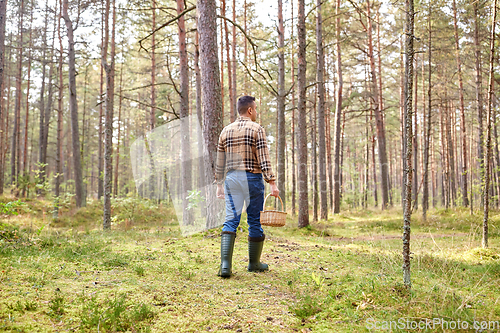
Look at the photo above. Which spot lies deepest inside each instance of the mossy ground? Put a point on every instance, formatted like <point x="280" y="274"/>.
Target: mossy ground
<point x="335" y="276"/>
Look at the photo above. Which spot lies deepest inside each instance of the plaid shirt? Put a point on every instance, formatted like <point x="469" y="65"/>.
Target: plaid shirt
<point x="243" y="146"/>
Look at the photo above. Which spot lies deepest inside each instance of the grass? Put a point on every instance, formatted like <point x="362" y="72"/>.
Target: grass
<point x="341" y="275"/>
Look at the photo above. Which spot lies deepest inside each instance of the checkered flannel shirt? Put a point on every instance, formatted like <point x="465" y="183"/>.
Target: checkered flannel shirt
<point x="243" y="146"/>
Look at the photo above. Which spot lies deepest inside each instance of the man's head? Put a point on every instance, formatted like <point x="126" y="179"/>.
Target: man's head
<point x="247" y="107"/>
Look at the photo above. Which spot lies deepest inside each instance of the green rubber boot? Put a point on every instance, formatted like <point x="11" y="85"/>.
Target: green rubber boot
<point x="255" y="245"/>
<point x="226" y="253"/>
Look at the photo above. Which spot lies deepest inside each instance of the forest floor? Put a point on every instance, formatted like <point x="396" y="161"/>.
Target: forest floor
<point x="342" y="275"/>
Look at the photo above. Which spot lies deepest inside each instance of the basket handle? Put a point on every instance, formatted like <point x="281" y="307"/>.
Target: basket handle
<point x="267" y="196"/>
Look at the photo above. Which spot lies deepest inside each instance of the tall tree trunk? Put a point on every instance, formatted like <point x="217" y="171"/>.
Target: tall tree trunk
<point x="294" y="168"/>
<point x="382" y="153"/>
<point x="14" y="160"/>
<point x="409" y="131"/>
<point x="479" y="94"/>
<point x="152" y="111"/>
<point x="465" y="198"/>
<point x="211" y="97"/>
<point x="117" y="161"/>
<point x="281" y="104"/>
<point x="109" y="68"/>
<point x="415" y="143"/>
<point x="338" y="116"/>
<point x="3" y="19"/>
<point x="73" y="106"/>
<point x="489" y="122"/>
<point x="232" y="115"/>
<point x="320" y="65"/>
<point x="186" y="182"/>
<point x="314" y="161"/>
<point x="427" y="137"/>
<point x="302" y="122"/>
<point x="58" y="171"/>
<point x="233" y="62"/>
<point x="198" y="103"/>
<point x="100" y="164"/>
<point x="26" y="117"/>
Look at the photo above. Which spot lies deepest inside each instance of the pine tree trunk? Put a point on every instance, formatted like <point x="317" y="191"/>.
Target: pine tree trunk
<point x="294" y="168"/>
<point x="489" y="122"/>
<point x="314" y="161"/>
<point x="211" y="97"/>
<point x="409" y="54"/>
<point x="117" y="161"/>
<point x="232" y="115"/>
<point x="109" y="69"/>
<point x="234" y="63"/>
<point x="58" y="171"/>
<point x="100" y="164"/>
<point x="479" y="94"/>
<point x="281" y="105"/>
<point x="320" y="67"/>
<point x="73" y="106"/>
<point x="186" y="170"/>
<point x="198" y="103"/>
<point x="14" y="160"/>
<point x="26" y="117"/>
<point x="338" y="117"/>
<point x="382" y="152"/>
<point x="303" y="217"/>
<point x="428" y="119"/>
<point x="3" y="19"/>
<point x="465" y="198"/>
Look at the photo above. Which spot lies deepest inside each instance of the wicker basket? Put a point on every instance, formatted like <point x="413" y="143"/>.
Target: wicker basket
<point x="272" y="218"/>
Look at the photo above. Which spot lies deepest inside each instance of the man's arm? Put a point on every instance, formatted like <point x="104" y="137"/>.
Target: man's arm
<point x="220" y="165"/>
<point x="265" y="162"/>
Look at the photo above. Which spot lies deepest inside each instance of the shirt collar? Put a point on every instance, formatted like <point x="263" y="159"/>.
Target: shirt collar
<point x="243" y="118"/>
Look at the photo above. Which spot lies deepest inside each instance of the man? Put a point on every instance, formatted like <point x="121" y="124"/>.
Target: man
<point x="243" y="161"/>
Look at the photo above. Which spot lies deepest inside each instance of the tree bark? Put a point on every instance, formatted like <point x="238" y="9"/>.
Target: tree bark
<point x="118" y="138"/>
<point x="26" y="118"/>
<point x="479" y="94"/>
<point x="58" y="171"/>
<point x="489" y="122"/>
<point x="294" y="168"/>
<point x="233" y="62"/>
<point x="409" y="54"/>
<point x="320" y="63"/>
<point x="186" y="182"/>
<point x="382" y="153"/>
<point x="303" y="217"/>
<point x="73" y="106"/>
<point x="198" y="103"/>
<point x="14" y="160"/>
<point x="109" y="69"/>
<point x="211" y="97"/>
<point x="465" y="198"/>
<point x="280" y="98"/>
<point x="427" y="137"/>
<point x="338" y="116"/>
<point x="3" y="20"/>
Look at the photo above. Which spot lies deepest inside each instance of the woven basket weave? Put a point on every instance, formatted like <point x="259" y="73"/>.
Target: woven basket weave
<point x="272" y="218"/>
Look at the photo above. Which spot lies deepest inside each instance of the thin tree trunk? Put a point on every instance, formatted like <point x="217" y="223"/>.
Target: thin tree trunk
<point x="117" y="161"/>
<point x="303" y="218"/>
<point x="314" y="161"/>
<point x="109" y="68"/>
<point x="409" y="131"/>
<point x="100" y="164"/>
<point x="186" y="170"/>
<point x="3" y="20"/>
<point x="479" y="95"/>
<point x="152" y="112"/>
<point x="320" y="67"/>
<point x="198" y="104"/>
<point x="26" y="118"/>
<point x="232" y="115"/>
<point x="338" y="116"/>
<point x="233" y="62"/>
<point x="465" y="198"/>
<point x="489" y="122"/>
<point x="58" y="171"/>
<point x="415" y="144"/>
<point x="382" y="153"/>
<point x="281" y="104"/>
<point x="223" y="13"/>
<point x="427" y="137"/>
<point x="294" y="169"/>
<point x="14" y="160"/>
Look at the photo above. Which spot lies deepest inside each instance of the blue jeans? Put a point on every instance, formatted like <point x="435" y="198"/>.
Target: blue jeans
<point x="243" y="187"/>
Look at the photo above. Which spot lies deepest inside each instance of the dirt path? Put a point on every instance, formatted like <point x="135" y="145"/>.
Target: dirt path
<point x="382" y="237"/>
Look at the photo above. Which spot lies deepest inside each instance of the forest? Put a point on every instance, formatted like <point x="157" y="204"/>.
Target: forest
<point x="381" y="122"/>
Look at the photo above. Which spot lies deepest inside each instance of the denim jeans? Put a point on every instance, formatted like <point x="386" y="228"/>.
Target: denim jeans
<point x="243" y="187"/>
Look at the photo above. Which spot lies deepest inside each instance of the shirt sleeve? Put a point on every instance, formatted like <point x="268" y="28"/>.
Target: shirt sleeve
<point x="263" y="156"/>
<point x="220" y="165"/>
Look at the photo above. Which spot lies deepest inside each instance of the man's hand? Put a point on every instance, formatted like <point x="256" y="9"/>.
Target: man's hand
<point x="274" y="189"/>
<point x="220" y="191"/>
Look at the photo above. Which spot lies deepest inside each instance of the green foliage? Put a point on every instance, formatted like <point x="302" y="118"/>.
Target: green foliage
<point x="12" y="207"/>
<point x="194" y="199"/>
<point x="306" y="307"/>
<point x="56" y="305"/>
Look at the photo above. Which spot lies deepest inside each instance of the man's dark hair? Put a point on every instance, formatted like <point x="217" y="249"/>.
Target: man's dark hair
<point x="244" y="102"/>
